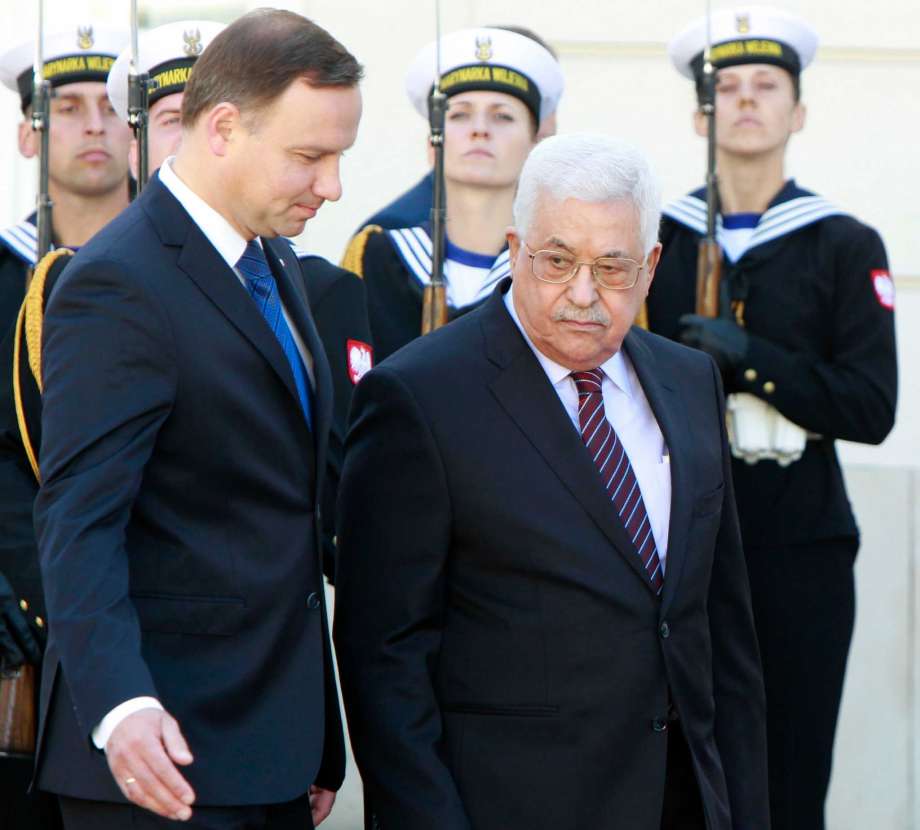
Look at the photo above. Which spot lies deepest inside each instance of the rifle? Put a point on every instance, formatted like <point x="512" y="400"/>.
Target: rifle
<point x="41" y="122"/>
<point x="138" y="91"/>
<point x="709" y="256"/>
<point x="17" y="712"/>
<point x="434" y="301"/>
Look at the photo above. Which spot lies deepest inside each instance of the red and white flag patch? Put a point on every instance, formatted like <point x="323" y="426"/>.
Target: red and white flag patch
<point x="884" y="287"/>
<point x="360" y="357"/>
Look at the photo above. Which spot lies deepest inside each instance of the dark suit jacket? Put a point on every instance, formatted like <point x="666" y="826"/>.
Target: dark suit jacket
<point x="505" y="663"/>
<point x="178" y="523"/>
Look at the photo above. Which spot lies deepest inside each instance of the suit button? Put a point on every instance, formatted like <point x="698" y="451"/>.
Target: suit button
<point x="23" y="605"/>
<point x="660" y="725"/>
<point x="664" y="630"/>
<point x="313" y="601"/>
<point x="39" y="622"/>
<point x="769" y="387"/>
<point x="750" y="375"/>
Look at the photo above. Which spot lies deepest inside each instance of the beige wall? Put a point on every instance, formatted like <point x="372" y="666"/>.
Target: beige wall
<point x="858" y="149"/>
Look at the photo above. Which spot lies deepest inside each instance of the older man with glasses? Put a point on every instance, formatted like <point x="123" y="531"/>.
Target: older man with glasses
<point x="543" y="617"/>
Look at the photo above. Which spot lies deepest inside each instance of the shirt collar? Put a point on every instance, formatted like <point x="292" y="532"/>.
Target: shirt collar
<point x="615" y="367"/>
<point x="218" y="231"/>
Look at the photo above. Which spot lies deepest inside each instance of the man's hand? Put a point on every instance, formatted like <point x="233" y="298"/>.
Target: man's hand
<point x="321" y="802"/>
<point x="18" y="644"/>
<point x="142" y="753"/>
<point x="720" y="337"/>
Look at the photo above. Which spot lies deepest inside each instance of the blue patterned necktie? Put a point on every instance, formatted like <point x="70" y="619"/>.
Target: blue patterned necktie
<point x="609" y="456"/>
<point x="262" y="288"/>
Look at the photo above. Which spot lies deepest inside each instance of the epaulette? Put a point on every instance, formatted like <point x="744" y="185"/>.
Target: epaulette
<point x="642" y="317"/>
<point x="29" y="324"/>
<point x="353" y="258"/>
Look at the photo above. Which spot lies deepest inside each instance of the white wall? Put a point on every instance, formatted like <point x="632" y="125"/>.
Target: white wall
<point x="858" y="149"/>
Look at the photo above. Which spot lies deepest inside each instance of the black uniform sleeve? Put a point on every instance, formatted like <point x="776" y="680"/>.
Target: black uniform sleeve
<point x="850" y="391"/>
<point x="339" y="307"/>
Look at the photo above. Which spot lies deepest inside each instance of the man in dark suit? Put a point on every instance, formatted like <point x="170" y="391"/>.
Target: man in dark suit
<point x="187" y="403"/>
<point x="543" y="618"/>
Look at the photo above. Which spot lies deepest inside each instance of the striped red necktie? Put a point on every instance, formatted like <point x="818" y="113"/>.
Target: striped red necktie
<point x="616" y="472"/>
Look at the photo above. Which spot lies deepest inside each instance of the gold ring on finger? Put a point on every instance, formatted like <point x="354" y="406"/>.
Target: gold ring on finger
<point x="130" y="781"/>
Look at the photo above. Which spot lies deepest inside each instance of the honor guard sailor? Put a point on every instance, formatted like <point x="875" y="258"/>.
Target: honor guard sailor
<point x="499" y="84"/>
<point x="805" y="341"/>
<point x="88" y="159"/>
<point x="414" y="206"/>
<point x="88" y="186"/>
<point x="167" y="54"/>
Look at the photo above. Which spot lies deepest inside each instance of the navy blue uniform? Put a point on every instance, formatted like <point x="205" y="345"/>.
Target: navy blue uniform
<point x="18" y="556"/>
<point x="407" y="210"/>
<point x="818" y="310"/>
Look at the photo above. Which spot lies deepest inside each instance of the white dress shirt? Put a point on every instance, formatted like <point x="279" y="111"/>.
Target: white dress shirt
<point x="629" y="413"/>
<point x="230" y="245"/>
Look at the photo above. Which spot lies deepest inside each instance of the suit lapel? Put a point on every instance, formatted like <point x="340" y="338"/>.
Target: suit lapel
<point x="289" y="277"/>
<point x="666" y="404"/>
<point x="525" y="393"/>
<point x="205" y="267"/>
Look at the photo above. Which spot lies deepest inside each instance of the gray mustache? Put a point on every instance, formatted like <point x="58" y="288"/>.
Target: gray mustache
<point x="575" y="314"/>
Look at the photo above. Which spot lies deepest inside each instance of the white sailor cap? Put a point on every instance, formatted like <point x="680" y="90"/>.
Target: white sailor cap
<point x="745" y="34"/>
<point x="167" y="54"/>
<point x="488" y="58"/>
<point x="79" y="52"/>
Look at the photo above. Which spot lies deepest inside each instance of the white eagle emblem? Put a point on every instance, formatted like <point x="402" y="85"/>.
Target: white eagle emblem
<point x="483" y="48"/>
<point x="360" y="358"/>
<point x="191" y="43"/>
<point x="884" y="288"/>
<point x="85" y="39"/>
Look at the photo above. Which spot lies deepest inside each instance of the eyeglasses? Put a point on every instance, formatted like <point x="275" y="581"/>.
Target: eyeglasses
<point x="617" y="273"/>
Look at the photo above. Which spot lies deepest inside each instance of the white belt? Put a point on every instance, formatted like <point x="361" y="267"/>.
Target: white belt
<point x="759" y="432"/>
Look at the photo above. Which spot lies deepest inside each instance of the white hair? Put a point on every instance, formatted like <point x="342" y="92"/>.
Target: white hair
<point x="591" y="168"/>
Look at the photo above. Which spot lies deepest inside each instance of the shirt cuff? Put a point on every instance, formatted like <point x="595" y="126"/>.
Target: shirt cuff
<point x="106" y="726"/>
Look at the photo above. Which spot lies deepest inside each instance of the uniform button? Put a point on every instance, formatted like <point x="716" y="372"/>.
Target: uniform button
<point x="335" y="541"/>
<point x="750" y="375"/>
<point x="313" y="601"/>
<point x="39" y="622"/>
<point x="660" y="725"/>
<point x="23" y="605"/>
<point x="664" y="630"/>
<point x="769" y="387"/>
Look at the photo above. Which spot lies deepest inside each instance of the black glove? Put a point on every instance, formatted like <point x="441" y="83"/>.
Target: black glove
<point x="18" y="644"/>
<point x="720" y="337"/>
